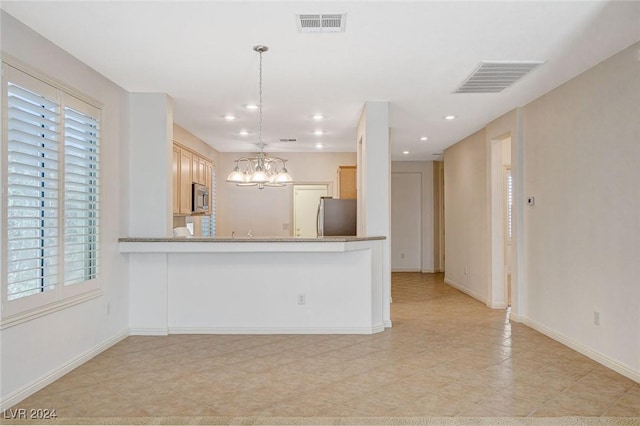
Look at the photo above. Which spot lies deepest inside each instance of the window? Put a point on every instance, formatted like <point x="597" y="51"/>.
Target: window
<point x="53" y="200"/>
<point x="209" y="221"/>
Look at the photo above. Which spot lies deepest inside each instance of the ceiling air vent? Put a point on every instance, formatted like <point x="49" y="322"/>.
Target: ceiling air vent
<point x="288" y="140"/>
<point x="321" y="23"/>
<point x="495" y="76"/>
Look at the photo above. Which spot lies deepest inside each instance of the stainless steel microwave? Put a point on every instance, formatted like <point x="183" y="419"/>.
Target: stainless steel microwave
<point x="200" y="198"/>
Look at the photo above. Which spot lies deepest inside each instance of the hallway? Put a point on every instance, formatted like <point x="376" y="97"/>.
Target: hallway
<point x="446" y="355"/>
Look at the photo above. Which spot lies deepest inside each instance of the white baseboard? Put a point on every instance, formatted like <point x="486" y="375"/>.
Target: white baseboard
<point x="277" y="330"/>
<point x="515" y="318"/>
<point x="151" y="331"/>
<point x="387" y="324"/>
<point x="466" y="290"/>
<point x="594" y="355"/>
<point x="428" y="271"/>
<point x="497" y="305"/>
<point x="21" y="394"/>
<point x="405" y="269"/>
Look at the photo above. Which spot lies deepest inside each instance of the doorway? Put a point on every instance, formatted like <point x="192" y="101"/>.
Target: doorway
<point x="306" y="199"/>
<point x="406" y="222"/>
<point x="501" y="190"/>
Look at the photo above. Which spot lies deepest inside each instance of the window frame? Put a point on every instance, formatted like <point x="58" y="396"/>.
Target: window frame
<point x="16" y="311"/>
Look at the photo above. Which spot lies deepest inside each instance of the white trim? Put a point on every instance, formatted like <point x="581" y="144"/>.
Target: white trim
<point x="16" y="63"/>
<point x="601" y="358"/>
<point x="429" y="271"/>
<point x="56" y="306"/>
<point x="497" y="305"/>
<point x="149" y="331"/>
<point x="21" y="394"/>
<point x="276" y="330"/>
<point x="387" y="324"/>
<point x="466" y="290"/>
<point x="406" y="270"/>
<point x="515" y="317"/>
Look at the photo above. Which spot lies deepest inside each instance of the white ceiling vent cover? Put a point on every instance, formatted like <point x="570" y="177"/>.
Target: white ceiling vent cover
<point x="321" y="23"/>
<point x="495" y="76"/>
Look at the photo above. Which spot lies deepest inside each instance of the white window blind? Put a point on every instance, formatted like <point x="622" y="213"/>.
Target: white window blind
<point x="209" y="221"/>
<point x="81" y="196"/>
<point x="52" y="207"/>
<point x="32" y="192"/>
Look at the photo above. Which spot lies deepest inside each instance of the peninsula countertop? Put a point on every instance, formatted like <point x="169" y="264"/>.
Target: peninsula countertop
<point x="243" y="244"/>
<point x="255" y="285"/>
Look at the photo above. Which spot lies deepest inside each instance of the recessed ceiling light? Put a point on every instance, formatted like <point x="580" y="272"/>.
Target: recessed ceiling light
<point x="405" y="152"/>
<point x="318" y="132"/>
<point x="318" y="117"/>
<point x="319" y="146"/>
<point x="449" y="117"/>
<point x="424" y="138"/>
<point x="243" y="133"/>
<point x="251" y="106"/>
<point x="229" y="117"/>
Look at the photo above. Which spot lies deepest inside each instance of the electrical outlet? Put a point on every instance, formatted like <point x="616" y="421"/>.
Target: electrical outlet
<point x="596" y="318"/>
<point x="302" y="299"/>
<point x="285" y="226"/>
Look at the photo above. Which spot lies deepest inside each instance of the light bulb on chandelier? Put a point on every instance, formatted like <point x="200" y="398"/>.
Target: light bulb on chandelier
<point x="261" y="170"/>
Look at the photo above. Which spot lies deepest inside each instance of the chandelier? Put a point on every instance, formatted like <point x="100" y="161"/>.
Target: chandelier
<point x="261" y="170"/>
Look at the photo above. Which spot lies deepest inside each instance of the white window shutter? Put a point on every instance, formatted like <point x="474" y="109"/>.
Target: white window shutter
<point x="32" y="192"/>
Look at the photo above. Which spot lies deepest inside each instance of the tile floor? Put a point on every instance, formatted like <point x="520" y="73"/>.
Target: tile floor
<point x="446" y="355"/>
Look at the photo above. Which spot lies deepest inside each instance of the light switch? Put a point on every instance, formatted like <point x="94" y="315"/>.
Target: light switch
<point x="531" y="201"/>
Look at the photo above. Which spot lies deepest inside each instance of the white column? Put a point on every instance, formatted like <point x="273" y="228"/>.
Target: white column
<point x="374" y="183"/>
<point x="150" y="165"/>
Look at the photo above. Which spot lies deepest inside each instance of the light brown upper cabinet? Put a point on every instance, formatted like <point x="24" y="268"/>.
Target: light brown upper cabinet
<point x="186" y="179"/>
<point x="188" y="168"/>
<point x="176" y="180"/>
<point x="347" y="186"/>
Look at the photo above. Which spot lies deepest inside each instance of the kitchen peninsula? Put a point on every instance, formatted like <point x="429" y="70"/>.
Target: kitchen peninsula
<point x="256" y="285"/>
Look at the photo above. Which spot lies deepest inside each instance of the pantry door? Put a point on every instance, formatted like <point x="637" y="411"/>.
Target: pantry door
<point x="306" y="199"/>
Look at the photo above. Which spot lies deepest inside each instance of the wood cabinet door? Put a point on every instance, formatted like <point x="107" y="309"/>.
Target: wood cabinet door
<point x="176" y="180"/>
<point x="186" y="179"/>
<point x="208" y="173"/>
<point x="203" y="179"/>
<point x="347" y="176"/>
<point x="195" y="176"/>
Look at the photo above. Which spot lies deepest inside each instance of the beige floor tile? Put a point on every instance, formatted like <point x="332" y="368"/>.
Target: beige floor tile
<point x="623" y="411"/>
<point x="511" y="405"/>
<point x="465" y="393"/>
<point x="446" y="355"/>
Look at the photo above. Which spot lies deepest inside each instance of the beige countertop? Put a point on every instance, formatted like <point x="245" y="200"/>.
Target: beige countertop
<point x="247" y="239"/>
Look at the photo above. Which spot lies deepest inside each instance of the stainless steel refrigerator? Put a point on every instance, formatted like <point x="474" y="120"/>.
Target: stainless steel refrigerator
<point x="336" y="217"/>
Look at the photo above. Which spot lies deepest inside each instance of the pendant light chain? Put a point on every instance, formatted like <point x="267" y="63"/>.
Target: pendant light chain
<point x="261" y="170"/>
<point x="260" y="104"/>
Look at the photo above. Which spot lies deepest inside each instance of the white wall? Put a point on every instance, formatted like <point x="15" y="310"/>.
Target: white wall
<point x="466" y="214"/>
<point x="576" y="251"/>
<point x="191" y="141"/>
<point x="582" y="237"/>
<point x="150" y="165"/>
<point x="374" y="185"/>
<point x="38" y="351"/>
<point x="425" y="170"/>
<point x="265" y="211"/>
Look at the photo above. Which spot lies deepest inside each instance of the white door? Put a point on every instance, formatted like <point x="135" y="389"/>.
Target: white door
<point x="406" y="222"/>
<point x="305" y="209"/>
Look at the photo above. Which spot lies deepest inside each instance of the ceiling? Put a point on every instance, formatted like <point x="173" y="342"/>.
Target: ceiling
<point x="412" y="54"/>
